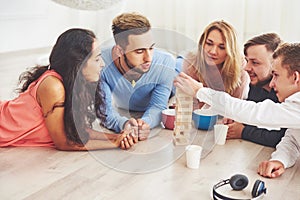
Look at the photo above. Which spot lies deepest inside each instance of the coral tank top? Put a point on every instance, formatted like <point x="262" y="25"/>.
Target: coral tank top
<point x="21" y="119"/>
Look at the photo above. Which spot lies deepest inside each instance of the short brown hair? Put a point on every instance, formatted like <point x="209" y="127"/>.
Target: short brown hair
<point x="270" y="40"/>
<point x="290" y="55"/>
<point x="129" y="24"/>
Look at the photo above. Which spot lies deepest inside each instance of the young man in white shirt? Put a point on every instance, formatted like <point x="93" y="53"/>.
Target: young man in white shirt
<point x="286" y="84"/>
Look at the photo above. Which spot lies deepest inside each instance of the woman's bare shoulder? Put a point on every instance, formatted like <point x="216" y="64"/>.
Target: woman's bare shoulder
<point x="51" y="89"/>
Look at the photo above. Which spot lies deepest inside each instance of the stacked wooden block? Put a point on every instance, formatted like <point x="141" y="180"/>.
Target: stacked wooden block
<point x="183" y="117"/>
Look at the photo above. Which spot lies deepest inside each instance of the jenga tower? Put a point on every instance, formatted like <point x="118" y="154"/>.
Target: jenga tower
<point x="183" y="117"/>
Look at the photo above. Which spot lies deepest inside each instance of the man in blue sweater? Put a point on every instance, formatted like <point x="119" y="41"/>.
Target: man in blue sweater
<point x="258" y="53"/>
<point x="137" y="77"/>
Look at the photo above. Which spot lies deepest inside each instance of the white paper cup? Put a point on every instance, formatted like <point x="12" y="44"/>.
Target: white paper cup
<point x="220" y="131"/>
<point x="193" y="155"/>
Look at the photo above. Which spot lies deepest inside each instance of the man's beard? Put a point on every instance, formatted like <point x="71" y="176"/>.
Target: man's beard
<point x="263" y="82"/>
<point x="131" y="67"/>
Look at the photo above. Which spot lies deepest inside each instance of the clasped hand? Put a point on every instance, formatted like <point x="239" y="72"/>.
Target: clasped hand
<point x="134" y="130"/>
<point x="139" y="127"/>
<point x="127" y="139"/>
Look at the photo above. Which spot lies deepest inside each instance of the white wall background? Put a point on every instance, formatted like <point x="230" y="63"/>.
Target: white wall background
<point x="29" y="24"/>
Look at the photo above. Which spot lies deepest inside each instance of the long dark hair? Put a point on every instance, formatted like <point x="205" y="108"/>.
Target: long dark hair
<point x="68" y="56"/>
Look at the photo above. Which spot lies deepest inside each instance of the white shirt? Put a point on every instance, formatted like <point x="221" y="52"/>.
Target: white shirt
<point x="266" y="114"/>
<point x="288" y="149"/>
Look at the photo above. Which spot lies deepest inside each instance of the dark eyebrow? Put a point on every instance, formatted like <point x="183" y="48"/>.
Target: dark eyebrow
<point x="152" y="45"/>
<point x="145" y="48"/>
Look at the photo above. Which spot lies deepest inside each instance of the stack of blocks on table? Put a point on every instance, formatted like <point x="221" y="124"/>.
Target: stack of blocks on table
<point x="183" y="117"/>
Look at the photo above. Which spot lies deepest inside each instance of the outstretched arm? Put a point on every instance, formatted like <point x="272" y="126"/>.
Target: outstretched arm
<point x="247" y="112"/>
<point x="252" y="113"/>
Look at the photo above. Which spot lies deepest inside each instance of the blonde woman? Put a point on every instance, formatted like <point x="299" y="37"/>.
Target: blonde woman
<point x="217" y="63"/>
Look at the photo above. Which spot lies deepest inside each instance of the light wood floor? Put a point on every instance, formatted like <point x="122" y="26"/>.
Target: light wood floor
<point x="45" y="173"/>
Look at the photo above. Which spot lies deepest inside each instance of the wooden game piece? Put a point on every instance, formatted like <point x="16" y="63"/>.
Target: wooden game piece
<point x="183" y="117"/>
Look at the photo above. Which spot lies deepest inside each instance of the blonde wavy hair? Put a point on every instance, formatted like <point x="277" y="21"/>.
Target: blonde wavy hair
<point x="231" y="69"/>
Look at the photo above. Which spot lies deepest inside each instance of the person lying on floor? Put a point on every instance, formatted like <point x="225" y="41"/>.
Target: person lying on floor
<point x="55" y="106"/>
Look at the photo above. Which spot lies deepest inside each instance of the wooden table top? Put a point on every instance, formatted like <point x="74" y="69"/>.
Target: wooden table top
<point x="153" y="169"/>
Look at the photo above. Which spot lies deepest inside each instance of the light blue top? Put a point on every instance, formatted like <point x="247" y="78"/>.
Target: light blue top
<point x="149" y="95"/>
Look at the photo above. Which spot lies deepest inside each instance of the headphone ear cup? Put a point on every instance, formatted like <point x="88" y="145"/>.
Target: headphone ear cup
<point x="238" y="182"/>
<point x="258" y="188"/>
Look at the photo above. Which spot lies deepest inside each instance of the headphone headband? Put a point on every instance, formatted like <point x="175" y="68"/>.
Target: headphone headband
<point x="239" y="182"/>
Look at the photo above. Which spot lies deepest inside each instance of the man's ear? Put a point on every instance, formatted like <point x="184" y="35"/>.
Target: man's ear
<point x="119" y="51"/>
<point x="296" y="77"/>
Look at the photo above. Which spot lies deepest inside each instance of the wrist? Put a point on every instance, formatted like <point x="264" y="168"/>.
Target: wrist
<point x="197" y="94"/>
<point x="123" y="127"/>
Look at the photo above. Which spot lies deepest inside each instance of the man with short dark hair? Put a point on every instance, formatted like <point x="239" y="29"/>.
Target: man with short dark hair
<point x="137" y="77"/>
<point x="258" y="54"/>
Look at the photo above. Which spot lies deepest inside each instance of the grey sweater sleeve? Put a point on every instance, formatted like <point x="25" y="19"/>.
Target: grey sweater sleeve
<point x="262" y="136"/>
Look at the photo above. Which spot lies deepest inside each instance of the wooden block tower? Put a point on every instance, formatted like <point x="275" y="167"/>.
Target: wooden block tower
<point x="183" y="117"/>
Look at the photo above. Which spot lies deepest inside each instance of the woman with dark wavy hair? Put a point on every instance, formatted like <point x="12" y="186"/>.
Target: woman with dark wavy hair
<point x="55" y="107"/>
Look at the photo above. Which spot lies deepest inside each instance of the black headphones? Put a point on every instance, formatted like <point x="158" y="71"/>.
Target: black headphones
<point x="239" y="182"/>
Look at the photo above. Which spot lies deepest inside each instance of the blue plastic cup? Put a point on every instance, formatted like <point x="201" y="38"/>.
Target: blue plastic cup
<point x="204" y="119"/>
